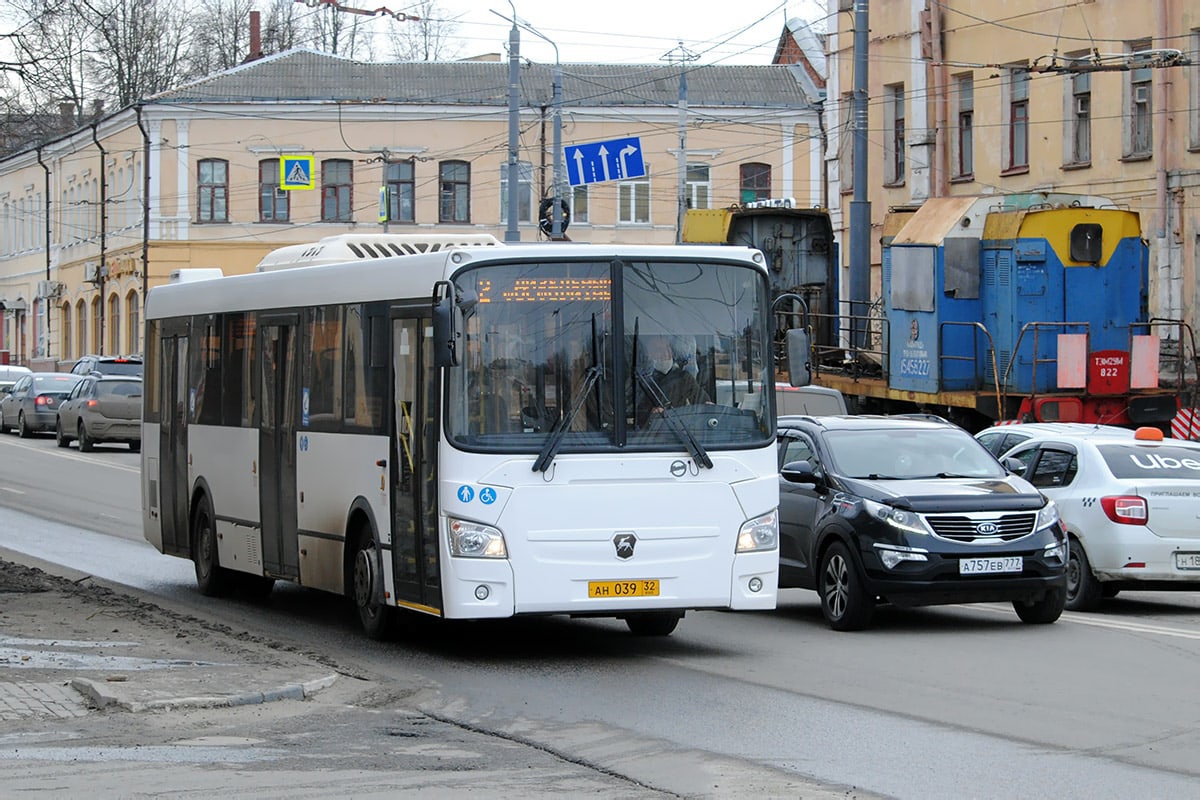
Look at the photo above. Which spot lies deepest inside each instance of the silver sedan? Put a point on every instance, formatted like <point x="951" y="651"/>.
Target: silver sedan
<point x="102" y="409"/>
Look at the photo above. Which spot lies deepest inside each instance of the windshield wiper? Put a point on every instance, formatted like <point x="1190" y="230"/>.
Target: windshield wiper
<point x="594" y="374"/>
<point x="546" y="457"/>
<point x="694" y="448"/>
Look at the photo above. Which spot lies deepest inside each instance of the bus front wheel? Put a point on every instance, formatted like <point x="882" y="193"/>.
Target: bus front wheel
<point x="212" y="579"/>
<point x="653" y="623"/>
<point x="376" y="616"/>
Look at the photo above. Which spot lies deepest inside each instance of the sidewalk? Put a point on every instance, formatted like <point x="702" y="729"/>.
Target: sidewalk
<point x="68" y="649"/>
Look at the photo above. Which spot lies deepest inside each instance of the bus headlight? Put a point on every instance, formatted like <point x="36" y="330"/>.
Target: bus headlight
<point x="472" y="540"/>
<point x="760" y="533"/>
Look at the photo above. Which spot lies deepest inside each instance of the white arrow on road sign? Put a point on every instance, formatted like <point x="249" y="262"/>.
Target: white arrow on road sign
<point x="614" y="160"/>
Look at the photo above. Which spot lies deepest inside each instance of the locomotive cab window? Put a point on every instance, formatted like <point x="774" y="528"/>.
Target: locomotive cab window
<point x="1087" y="242"/>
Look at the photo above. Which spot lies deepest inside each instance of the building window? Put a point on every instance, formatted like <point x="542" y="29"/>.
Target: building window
<point x="1139" y="124"/>
<point x="454" y="191"/>
<point x="1018" y="118"/>
<point x="699" y="186"/>
<point x="893" y="145"/>
<point x="579" y="205"/>
<point x="66" y="331"/>
<point x="633" y="200"/>
<point x="337" y="190"/>
<point x="212" y="191"/>
<point x="274" y="204"/>
<point x="964" y="133"/>
<point x="81" y="328"/>
<point x="134" y="330"/>
<point x="113" y="323"/>
<point x="524" y="192"/>
<point x="755" y="182"/>
<point x="1079" y="118"/>
<point x="401" y="191"/>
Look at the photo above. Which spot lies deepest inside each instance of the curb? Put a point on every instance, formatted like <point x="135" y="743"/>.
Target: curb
<point x="100" y="695"/>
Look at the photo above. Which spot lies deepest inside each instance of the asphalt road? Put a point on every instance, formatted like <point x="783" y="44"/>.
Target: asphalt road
<point x="952" y="702"/>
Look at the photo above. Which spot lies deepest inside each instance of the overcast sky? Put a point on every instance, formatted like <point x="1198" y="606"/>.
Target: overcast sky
<point x="629" y="31"/>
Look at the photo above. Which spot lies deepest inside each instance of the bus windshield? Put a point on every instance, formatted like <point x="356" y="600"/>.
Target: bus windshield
<point x="597" y="355"/>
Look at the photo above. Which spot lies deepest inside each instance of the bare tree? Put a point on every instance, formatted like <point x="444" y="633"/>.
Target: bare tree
<point x="282" y="26"/>
<point x="52" y="49"/>
<point x="431" y="38"/>
<point x="142" y="47"/>
<point x="220" y="35"/>
<point x="341" y="33"/>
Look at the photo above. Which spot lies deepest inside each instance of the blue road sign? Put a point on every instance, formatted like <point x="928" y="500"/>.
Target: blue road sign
<point x="614" y="160"/>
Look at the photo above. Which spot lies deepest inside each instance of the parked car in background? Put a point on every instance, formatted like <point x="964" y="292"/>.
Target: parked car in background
<point x="9" y="374"/>
<point x="999" y="439"/>
<point x="108" y="365"/>
<point x="913" y="511"/>
<point x="32" y="405"/>
<point x="102" y="408"/>
<point x="1130" y="503"/>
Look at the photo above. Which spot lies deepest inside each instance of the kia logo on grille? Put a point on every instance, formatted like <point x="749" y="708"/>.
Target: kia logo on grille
<point x="987" y="528"/>
<point x="624" y="542"/>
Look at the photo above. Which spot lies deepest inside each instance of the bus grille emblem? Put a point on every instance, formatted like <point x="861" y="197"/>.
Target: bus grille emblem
<point x="624" y="542"/>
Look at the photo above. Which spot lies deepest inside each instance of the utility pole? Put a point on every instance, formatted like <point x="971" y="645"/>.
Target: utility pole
<point x="860" y="206"/>
<point x="682" y="56"/>
<point x="556" y="217"/>
<point x="512" y="233"/>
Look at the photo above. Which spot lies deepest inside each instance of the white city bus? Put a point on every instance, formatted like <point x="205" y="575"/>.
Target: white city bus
<point x="465" y="432"/>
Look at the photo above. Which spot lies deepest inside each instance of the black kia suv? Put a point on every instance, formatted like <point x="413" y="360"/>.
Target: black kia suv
<point x="911" y="510"/>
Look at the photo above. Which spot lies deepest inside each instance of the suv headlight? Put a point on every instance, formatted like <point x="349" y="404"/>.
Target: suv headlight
<point x="760" y="533"/>
<point x="1048" y="515"/>
<point x="472" y="540"/>
<point x="898" y="518"/>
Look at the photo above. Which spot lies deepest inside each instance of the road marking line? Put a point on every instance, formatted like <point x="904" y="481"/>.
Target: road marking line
<point x="9" y="489"/>
<point x="74" y="457"/>
<point x="1096" y="622"/>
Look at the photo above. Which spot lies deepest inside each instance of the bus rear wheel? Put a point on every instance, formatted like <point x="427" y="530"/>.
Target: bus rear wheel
<point x="653" y="623"/>
<point x="377" y="618"/>
<point x="212" y="579"/>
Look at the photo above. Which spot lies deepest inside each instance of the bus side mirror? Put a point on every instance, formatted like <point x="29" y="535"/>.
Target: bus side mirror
<point x="447" y="325"/>
<point x="799" y="357"/>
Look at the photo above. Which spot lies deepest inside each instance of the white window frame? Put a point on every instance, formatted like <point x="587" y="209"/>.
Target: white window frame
<point x="1138" y="104"/>
<point x="893" y="137"/>
<point x="579" y="199"/>
<point x="630" y="195"/>
<point x="699" y="192"/>
<point x="1193" y="73"/>
<point x="963" y="140"/>
<point x="525" y="205"/>
<point x="1077" y="119"/>
<point x="1014" y="75"/>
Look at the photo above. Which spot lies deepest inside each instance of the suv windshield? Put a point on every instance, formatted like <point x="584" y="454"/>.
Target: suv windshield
<point x="899" y="454"/>
<point x="568" y="355"/>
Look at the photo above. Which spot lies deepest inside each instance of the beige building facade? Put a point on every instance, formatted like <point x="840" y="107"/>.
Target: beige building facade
<point x="193" y="178"/>
<point x="1094" y="97"/>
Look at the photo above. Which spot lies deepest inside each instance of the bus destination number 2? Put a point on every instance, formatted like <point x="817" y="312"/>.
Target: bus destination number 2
<point x="642" y="588"/>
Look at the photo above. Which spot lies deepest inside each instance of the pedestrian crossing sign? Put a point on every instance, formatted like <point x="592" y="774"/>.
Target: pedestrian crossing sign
<point x="296" y="172"/>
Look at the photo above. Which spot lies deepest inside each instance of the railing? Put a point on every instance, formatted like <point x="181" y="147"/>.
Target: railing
<point x="980" y="382"/>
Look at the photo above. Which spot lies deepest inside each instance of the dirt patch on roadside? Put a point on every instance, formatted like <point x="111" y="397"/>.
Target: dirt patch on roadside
<point x="19" y="579"/>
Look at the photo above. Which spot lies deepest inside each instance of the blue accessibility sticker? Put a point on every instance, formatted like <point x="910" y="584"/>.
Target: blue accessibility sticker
<point x="487" y="496"/>
<point x="466" y="494"/>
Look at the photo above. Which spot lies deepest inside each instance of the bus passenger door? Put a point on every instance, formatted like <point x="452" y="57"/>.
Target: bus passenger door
<point x="277" y="445"/>
<point x="173" y="490"/>
<point x="415" y="392"/>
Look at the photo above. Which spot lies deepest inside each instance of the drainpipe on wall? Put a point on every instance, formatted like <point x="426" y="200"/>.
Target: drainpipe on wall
<point x="145" y="212"/>
<point x="46" y="170"/>
<point x="1169" y="305"/>
<point x="102" y="273"/>
<point x="941" y="156"/>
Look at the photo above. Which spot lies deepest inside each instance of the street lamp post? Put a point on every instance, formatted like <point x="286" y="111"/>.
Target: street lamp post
<point x="556" y="217"/>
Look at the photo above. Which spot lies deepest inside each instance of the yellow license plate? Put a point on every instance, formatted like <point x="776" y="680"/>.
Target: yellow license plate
<point x="607" y="589"/>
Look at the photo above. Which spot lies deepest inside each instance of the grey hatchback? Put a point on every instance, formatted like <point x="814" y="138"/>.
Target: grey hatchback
<point x="102" y="408"/>
<point x="33" y="403"/>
